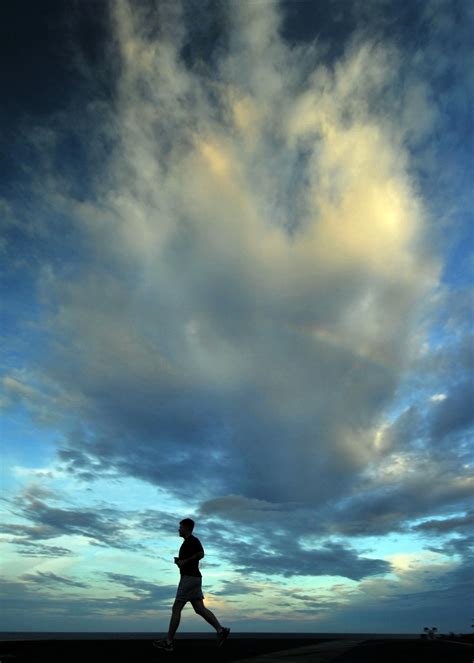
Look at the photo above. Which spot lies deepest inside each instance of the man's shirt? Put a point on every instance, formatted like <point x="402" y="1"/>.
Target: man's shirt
<point x="189" y="547"/>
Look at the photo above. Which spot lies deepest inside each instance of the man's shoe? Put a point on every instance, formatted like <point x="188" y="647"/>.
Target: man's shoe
<point x="163" y="644"/>
<point x="222" y="636"/>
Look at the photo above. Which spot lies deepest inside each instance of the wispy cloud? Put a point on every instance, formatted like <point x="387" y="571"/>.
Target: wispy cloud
<point x="145" y="592"/>
<point x="101" y="527"/>
<point x="52" y="579"/>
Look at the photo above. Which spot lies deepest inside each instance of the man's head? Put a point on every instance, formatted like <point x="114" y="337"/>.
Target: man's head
<point x="186" y="527"/>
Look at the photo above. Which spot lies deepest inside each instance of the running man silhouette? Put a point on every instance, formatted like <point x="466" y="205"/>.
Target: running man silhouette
<point x="189" y="588"/>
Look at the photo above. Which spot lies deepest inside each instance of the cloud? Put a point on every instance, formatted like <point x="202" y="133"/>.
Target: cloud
<point x="144" y="592"/>
<point x="21" y="600"/>
<point x="35" y="549"/>
<point x="236" y="588"/>
<point x="277" y="250"/>
<point x="241" y="509"/>
<point x="447" y="525"/>
<point x="231" y="307"/>
<point x="42" y="400"/>
<point x="101" y="526"/>
<point x="330" y="559"/>
<point x="52" y="579"/>
<point x="287" y="542"/>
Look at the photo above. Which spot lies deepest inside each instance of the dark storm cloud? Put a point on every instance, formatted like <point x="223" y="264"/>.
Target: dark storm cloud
<point x="282" y="545"/>
<point x="331" y="559"/>
<point x="386" y="502"/>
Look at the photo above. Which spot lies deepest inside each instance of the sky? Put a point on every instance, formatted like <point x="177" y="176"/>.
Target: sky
<point x="236" y="256"/>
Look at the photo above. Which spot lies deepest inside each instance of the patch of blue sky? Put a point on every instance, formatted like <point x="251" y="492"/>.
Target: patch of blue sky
<point x="24" y="447"/>
<point x="101" y="561"/>
<point x="20" y="317"/>
<point x="382" y="547"/>
<point x="141" y="496"/>
<point x="319" y="587"/>
<point x="458" y="268"/>
<point x="449" y="516"/>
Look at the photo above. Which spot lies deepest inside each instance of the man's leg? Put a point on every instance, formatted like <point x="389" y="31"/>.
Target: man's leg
<point x="167" y="643"/>
<point x="175" y="619"/>
<point x="200" y="609"/>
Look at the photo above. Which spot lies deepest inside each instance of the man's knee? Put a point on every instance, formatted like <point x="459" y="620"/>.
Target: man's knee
<point x="177" y="607"/>
<point x="198" y="606"/>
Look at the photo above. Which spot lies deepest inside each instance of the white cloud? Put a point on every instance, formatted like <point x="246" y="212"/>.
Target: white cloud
<point x="438" y="397"/>
<point x="256" y="261"/>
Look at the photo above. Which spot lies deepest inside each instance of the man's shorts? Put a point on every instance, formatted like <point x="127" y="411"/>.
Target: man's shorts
<point x="189" y="589"/>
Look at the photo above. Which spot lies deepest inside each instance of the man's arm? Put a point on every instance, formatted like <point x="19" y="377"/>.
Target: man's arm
<point x="198" y="555"/>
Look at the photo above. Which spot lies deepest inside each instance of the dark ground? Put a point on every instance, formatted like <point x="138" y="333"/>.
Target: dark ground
<point x="408" y="651"/>
<point x="187" y="650"/>
<point x="371" y="651"/>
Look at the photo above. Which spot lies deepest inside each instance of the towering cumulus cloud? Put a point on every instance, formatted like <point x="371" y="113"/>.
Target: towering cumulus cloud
<point x="258" y="261"/>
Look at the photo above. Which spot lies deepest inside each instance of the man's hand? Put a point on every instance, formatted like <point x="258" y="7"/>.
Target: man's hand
<point x="182" y="562"/>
